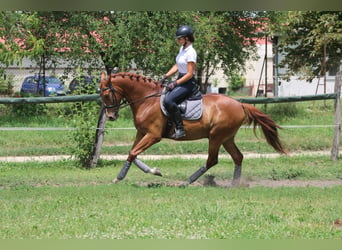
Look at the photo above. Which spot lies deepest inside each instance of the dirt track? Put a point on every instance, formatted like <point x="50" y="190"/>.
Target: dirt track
<point x="250" y="183"/>
<point x="157" y="157"/>
<point x="218" y="183"/>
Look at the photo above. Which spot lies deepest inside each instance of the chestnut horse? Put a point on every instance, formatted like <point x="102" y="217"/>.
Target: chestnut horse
<point x="221" y="118"/>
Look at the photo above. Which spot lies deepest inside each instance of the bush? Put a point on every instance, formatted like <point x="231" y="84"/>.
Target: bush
<point x="29" y="109"/>
<point x="83" y="116"/>
<point x="6" y="85"/>
<point x="236" y="81"/>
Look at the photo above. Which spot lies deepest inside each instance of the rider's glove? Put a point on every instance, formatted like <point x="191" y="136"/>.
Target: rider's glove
<point x="163" y="79"/>
<point x="172" y="85"/>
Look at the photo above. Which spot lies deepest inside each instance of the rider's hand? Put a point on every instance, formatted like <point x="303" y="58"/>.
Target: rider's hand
<point x="163" y="79"/>
<point x="172" y="85"/>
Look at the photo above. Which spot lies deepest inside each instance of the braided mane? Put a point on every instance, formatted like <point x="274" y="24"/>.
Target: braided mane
<point x="133" y="76"/>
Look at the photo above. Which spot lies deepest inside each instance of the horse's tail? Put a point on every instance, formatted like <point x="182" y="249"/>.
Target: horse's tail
<point x="268" y="126"/>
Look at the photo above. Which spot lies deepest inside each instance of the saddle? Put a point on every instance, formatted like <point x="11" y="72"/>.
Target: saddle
<point x="191" y="108"/>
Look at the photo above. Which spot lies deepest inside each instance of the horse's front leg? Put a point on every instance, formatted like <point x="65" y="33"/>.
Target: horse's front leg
<point x="142" y="142"/>
<point x="128" y="163"/>
<point x="141" y="165"/>
<point x="145" y="168"/>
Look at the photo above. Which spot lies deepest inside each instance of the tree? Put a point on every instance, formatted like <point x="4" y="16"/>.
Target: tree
<point x="311" y="42"/>
<point x="226" y="40"/>
<point x="120" y="38"/>
<point x="222" y="39"/>
<point x="16" y="39"/>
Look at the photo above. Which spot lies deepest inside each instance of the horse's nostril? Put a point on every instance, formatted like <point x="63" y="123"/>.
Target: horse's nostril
<point x="112" y="117"/>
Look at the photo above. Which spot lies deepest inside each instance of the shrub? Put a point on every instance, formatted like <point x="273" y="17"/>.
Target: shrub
<point x="83" y="116"/>
<point x="236" y="81"/>
<point x="6" y="85"/>
<point x="29" y="109"/>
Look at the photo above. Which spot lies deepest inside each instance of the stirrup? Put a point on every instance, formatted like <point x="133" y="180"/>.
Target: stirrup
<point x="178" y="133"/>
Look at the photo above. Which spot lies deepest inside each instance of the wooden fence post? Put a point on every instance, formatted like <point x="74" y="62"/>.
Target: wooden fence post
<point x="336" y="143"/>
<point x="100" y="130"/>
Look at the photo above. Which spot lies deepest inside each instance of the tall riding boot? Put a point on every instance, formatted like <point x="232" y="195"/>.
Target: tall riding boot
<point x="177" y="119"/>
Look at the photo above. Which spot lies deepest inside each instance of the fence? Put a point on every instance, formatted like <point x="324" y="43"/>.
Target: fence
<point x="262" y="100"/>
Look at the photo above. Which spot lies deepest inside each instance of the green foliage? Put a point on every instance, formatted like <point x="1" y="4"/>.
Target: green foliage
<point x="304" y="40"/>
<point x="28" y="110"/>
<point x="82" y="116"/>
<point x="118" y="38"/>
<point x="236" y="81"/>
<point x="6" y="84"/>
<point x="18" y="31"/>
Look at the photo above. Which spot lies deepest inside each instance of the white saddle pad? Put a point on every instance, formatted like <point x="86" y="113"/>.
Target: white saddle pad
<point x="190" y="109"/>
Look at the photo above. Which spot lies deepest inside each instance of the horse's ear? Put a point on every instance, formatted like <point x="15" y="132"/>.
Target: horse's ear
<point x="104" y="78"/>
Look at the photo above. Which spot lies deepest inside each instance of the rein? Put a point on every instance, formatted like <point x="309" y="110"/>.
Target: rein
<point x="124" y="103"/>
<point x="142" y="99"/>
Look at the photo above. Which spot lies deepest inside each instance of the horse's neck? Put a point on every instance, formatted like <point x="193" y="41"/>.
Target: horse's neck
<point x="135" y="89"/>
<point x="139" y="95"/>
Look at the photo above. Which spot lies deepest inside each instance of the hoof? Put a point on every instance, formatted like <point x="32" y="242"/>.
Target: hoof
<point x="156" y="171"/>
<point x="116" y="180"/>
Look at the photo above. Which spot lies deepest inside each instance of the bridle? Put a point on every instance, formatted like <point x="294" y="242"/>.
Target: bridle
<point x="124" y="103"/>
<point x="115" y="104"/>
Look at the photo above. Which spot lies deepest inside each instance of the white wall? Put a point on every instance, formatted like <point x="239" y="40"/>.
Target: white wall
<point x="254" y="69"/>
<point x="297" y="87"/>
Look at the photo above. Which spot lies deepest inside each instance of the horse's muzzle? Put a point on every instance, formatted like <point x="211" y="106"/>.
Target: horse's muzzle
<point x="112" y="116"/>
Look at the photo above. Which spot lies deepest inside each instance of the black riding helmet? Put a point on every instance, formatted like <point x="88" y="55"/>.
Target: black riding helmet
<point x="185" y="31"/>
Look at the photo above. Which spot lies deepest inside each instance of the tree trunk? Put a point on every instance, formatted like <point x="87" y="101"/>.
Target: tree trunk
<point x="100" y="130"/>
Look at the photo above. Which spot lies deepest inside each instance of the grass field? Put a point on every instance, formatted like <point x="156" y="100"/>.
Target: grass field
<point x="130" y="212"/>
<point x="58" y="200"/>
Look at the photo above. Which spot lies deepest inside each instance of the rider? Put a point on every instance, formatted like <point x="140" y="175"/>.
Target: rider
<point x="183" y="86"/>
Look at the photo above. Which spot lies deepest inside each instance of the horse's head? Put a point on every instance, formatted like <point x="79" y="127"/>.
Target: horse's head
<point x="111" y="97"/>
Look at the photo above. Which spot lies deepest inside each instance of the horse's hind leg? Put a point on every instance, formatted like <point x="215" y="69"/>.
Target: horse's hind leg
<point x="237" y="157"/>
<point x="214" y="146"/>
<point x="123" y="172"/>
